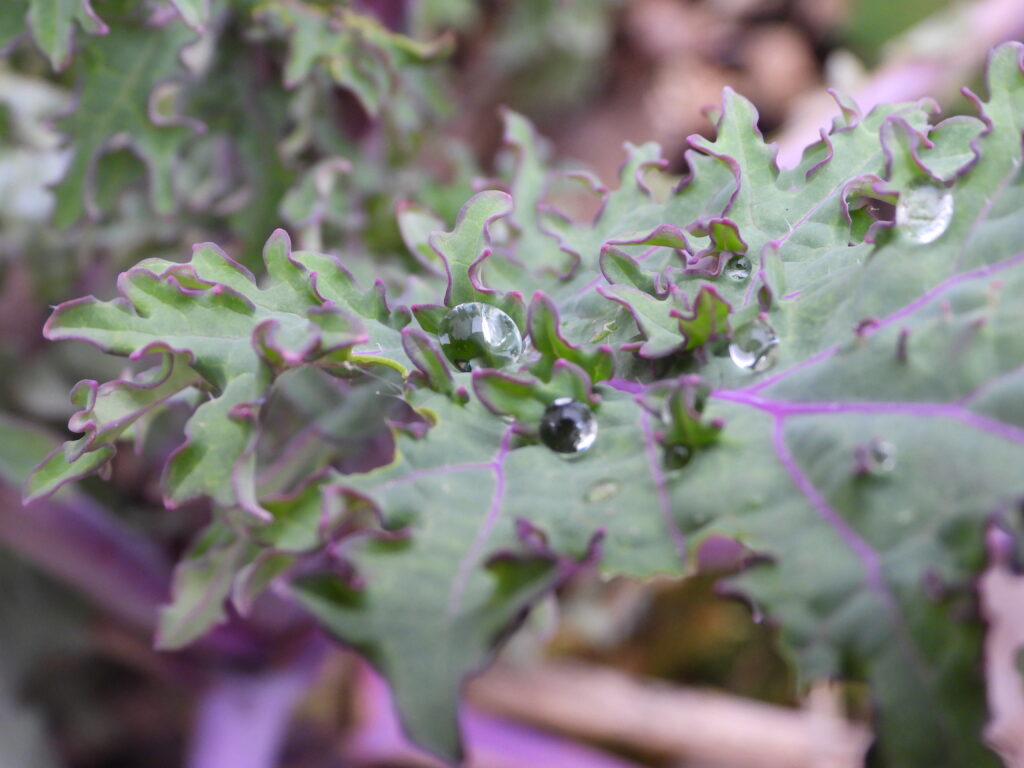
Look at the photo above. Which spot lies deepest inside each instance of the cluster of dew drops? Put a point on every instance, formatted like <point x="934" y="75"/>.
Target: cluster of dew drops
<point x="477" y="335"/>
<point x="923" y="214"/>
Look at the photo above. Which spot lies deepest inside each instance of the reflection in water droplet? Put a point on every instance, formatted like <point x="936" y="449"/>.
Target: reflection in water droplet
<point x="881" y="457"/>
<point x="754" y="347"/>
<point x="602" y="490"/>
<point x="677" y="456"/>
<point x="924" y="212"/>
<point x="568" y="426"/>
<point x="476" y="335"/>
<point x="738" y="269"/>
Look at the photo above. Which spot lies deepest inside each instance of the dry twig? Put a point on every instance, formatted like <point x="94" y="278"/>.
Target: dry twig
<point x="607" y="706"/>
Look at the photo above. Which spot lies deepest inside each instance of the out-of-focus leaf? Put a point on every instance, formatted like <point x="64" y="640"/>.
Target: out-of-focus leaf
<point x="202" y="582"/>
<point x="306" y="204"/>
<point x="51" y="23"/>
<point x="355" y="50"/>
<point x="118" y="104"/>
<point x="235" y="336"/>
<point x="417" y="225"/>
<point x="12" y="21"/>
<point x="195" y="13"/>
<point x="21" y="446"/>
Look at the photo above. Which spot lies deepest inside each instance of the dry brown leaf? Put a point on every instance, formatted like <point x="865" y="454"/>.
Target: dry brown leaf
<point x="1002" y="604"/>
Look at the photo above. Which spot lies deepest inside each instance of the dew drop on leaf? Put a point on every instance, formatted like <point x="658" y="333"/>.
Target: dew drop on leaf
<point x="677" y="456"/>
<point x="476" y="335"/>
<point x="754" y="347"/>
<point x="924" y="212"/>
<point x="876" y="458"/>
<point x="738" y="269"/>
<point x="568" y="426"/>
<point x="602" y="490"/>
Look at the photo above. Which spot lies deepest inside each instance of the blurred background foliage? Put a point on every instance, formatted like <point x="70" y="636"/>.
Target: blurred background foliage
<point x="321" y="116"/>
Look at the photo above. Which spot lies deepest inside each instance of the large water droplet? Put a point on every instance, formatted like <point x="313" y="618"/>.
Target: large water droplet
<point x="924" y="211"/>
<point x="477" y="335"/>
<point x="754" y="347"/>
<point x="568" y="426"/>
<point x="602" y="490"/>
<point x="738" y="269"/>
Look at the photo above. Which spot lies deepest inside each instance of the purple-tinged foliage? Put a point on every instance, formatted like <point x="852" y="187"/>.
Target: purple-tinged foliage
<point x="427" y="556"/>
<point x="51" y="25"/>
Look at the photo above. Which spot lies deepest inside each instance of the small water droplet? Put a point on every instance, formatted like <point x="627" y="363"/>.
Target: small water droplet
<point x="738" y="269"/>
<point x="881" y="457"/>
<point x="477" y="335"/>
<point x="602" y="490"/>
<point x="568" y="426"/>
<point x="924" y="212"/>
<point x="677" y="456"/>
<point x="754" y="347"/>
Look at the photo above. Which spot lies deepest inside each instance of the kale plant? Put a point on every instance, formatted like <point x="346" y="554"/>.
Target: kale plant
<point x="823" y="364"/>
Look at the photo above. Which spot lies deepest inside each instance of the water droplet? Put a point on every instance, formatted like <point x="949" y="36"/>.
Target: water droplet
<point x="754" y="347"/>
<point x="602" y="490"/>
<point x="738" y="269"/>
<point x="677" y="456"/>
<point x="877" y="457"/>
<point x="568" y="426"/>
<point x="924" y="212"/>
<point x="477" y="335"/>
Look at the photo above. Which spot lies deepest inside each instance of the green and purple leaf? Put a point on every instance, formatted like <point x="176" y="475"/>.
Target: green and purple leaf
<point x="862" y="467"/>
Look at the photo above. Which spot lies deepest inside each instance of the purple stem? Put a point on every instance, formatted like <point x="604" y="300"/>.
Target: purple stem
<point x="869" y="558"/>
<point x="490" y="741"/>
<point x="945" y="285"/>
<point x="928" y="296"/>
<point x="75" y="541"/>
<point x="864" y="551"/>
<point x="126" y="574"/>
<point x="986" y="387"/>
<point x="782" y="409"/>
<point x="765" y="383"/>
<point x="242" y="719"/>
